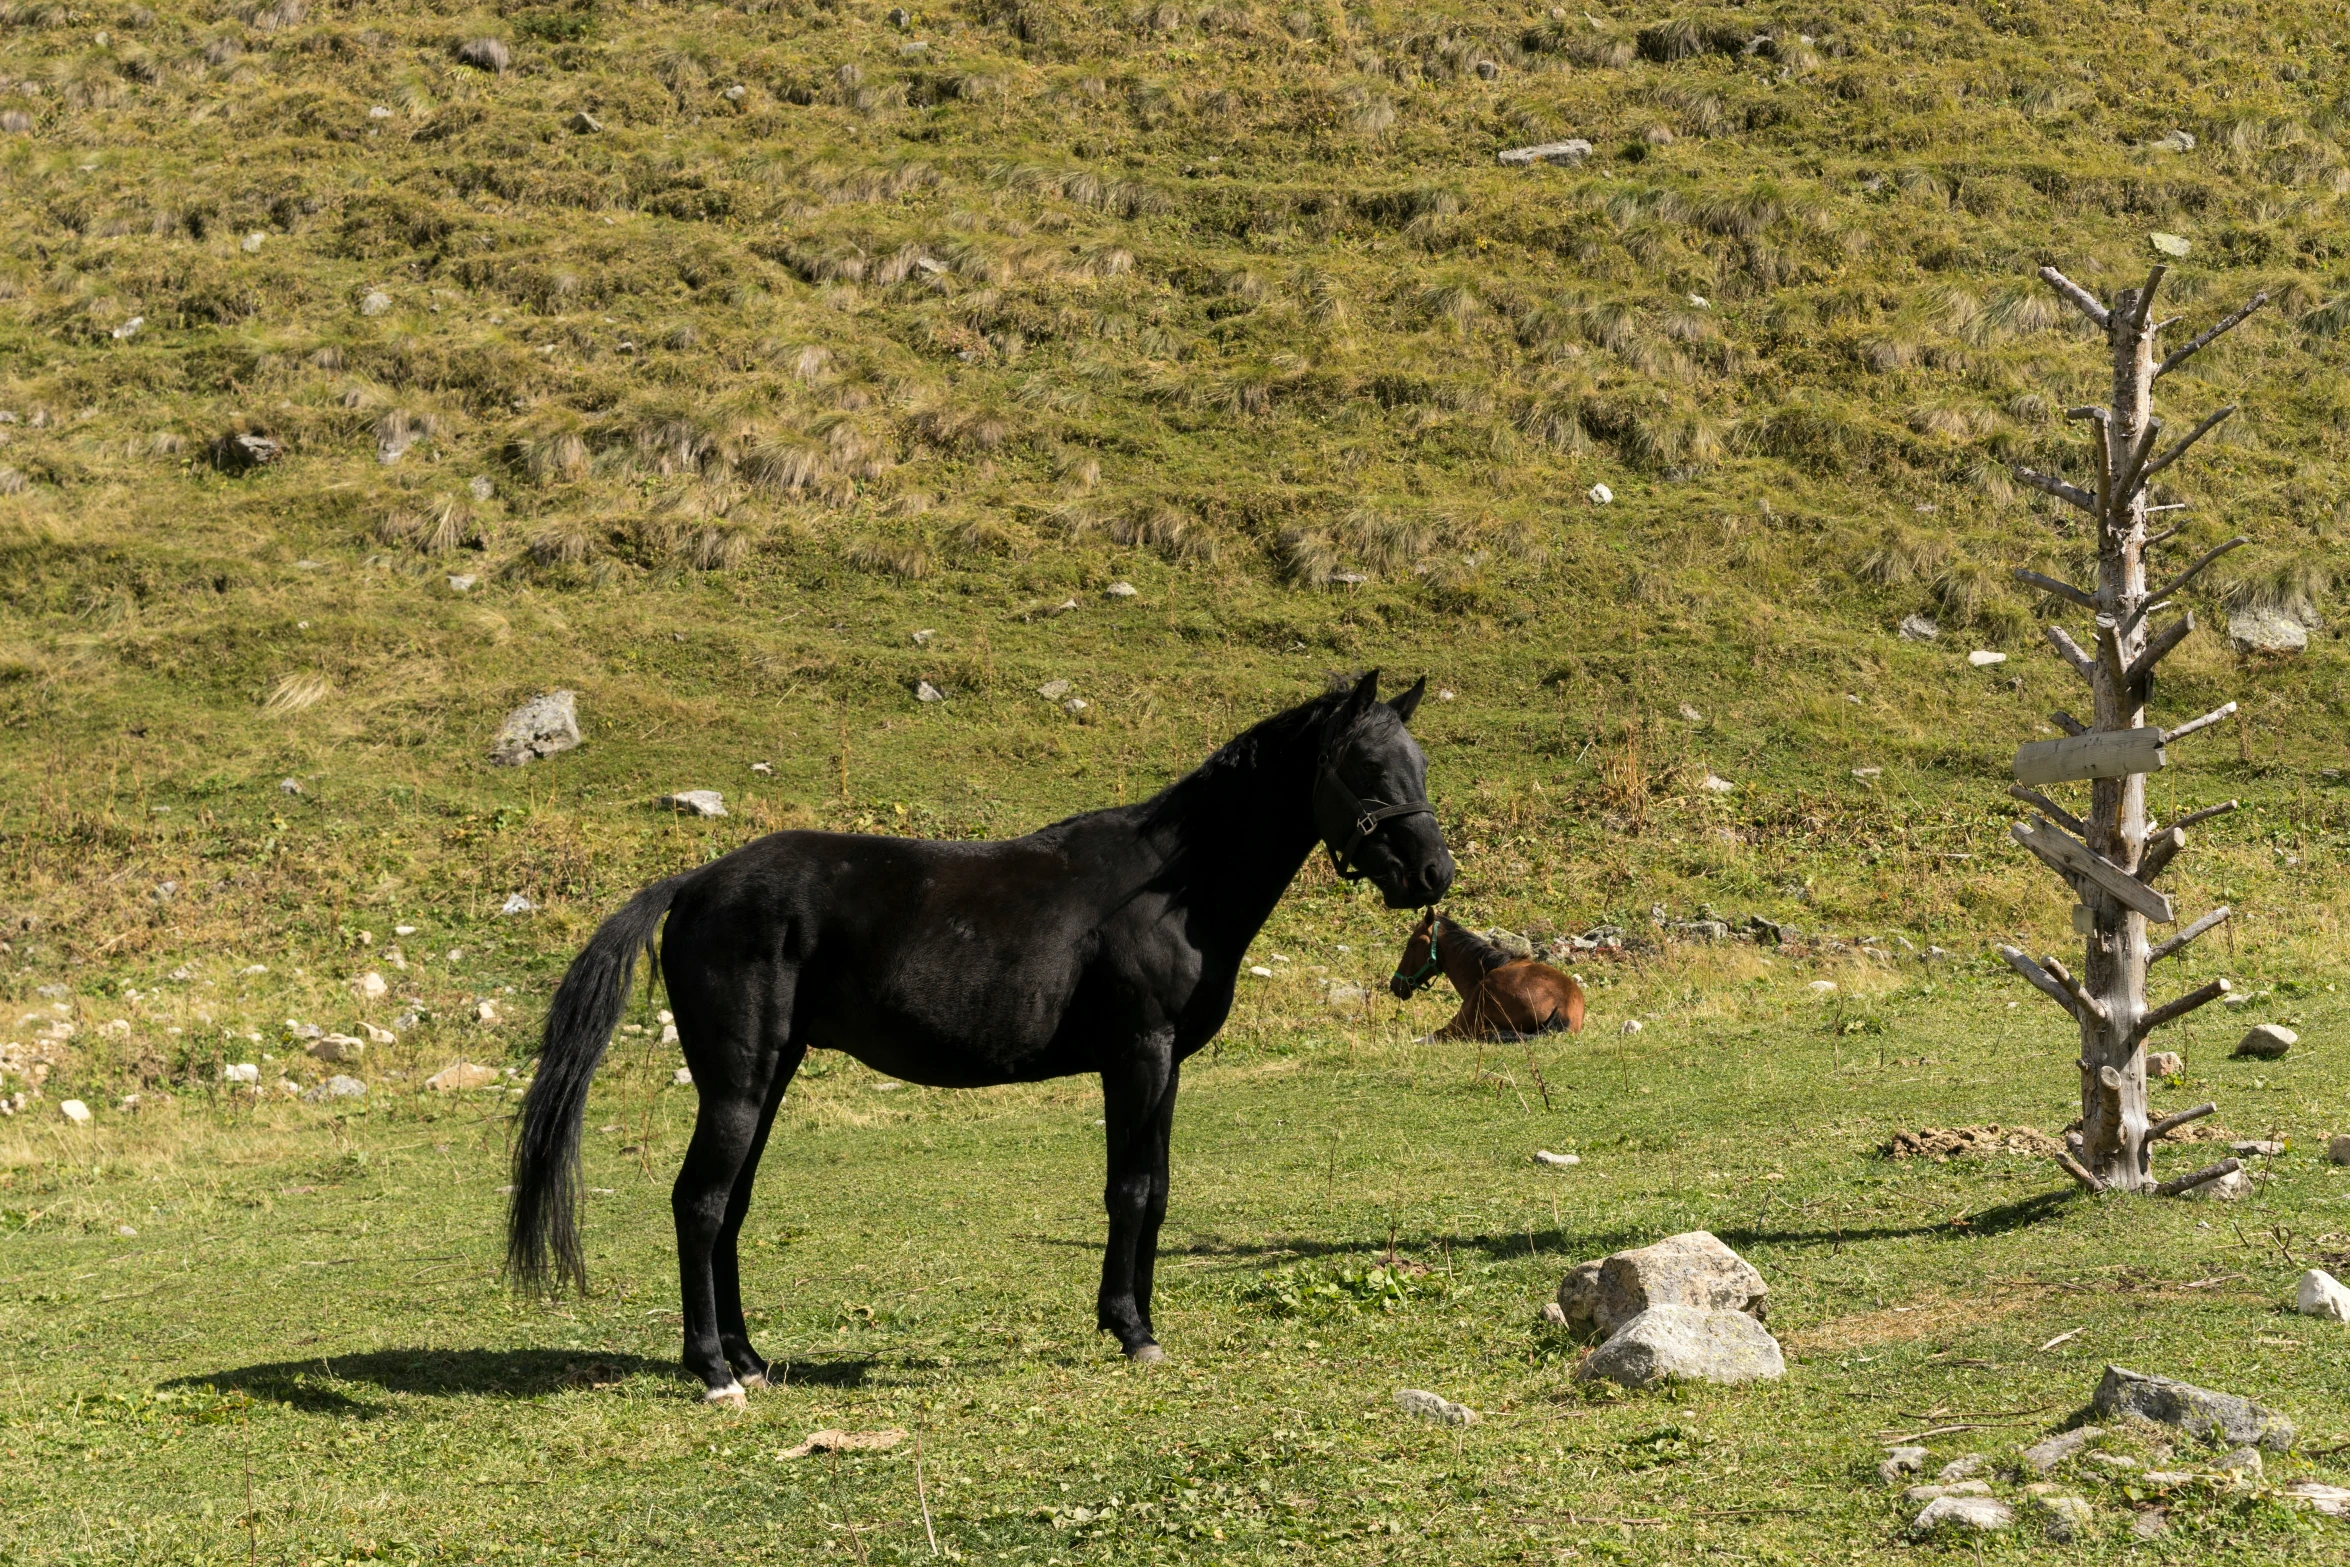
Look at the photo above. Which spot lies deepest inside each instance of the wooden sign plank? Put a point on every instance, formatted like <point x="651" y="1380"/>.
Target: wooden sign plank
<point x="2069" y="857"/>
<point x="2099" y="754"/>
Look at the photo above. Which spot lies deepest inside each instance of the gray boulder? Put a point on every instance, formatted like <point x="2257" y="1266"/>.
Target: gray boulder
<point x="695" y="802"/>
<point x="2064" y="1517"/>
<point x="2266" y="630"/>
<point x="1573" y="150"/>
<point x="2215" y="1417"/>
<point x="1433" y="1406"/>
<point x="1694" y="1269"/>
<point x="336" y="1087"/>
<point x="538" y="728"/>
<point x="2266" y="1042"/>
<point x="1961" y="1515"/>
<point x="1691" y="1343"/>
<point x="1901" y="1461"/>
<point x="2043" y="1456"/>
<point x="1917" y="628"/>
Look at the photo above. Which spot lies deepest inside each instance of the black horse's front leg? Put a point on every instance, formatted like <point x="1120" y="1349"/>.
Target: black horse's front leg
<point x="1138" y="1104"/>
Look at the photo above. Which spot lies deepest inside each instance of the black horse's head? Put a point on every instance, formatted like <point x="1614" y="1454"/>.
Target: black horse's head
<point x="1371" y="798"/>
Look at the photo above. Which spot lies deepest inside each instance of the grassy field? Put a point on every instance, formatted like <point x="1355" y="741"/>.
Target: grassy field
<point x="834" y="352"/>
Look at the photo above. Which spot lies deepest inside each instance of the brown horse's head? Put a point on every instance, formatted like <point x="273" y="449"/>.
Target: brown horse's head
<point x="1418" y="965"/>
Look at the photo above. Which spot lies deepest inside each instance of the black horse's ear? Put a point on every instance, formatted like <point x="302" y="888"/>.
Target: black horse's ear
<point x="1359" y="700"/>
<point x="1409" y="703"/>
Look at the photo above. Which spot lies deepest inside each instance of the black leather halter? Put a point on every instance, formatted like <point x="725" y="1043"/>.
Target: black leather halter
<point x="1335" y="802"/>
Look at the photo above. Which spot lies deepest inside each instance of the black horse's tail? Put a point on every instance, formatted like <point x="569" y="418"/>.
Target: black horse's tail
<point x="542" y="1226"/>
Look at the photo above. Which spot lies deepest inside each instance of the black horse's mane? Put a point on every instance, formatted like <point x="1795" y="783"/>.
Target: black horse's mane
<point x="1243" y="753"/>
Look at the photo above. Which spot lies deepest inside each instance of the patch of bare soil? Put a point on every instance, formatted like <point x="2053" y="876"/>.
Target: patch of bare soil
<point x="1959" y="1142"/>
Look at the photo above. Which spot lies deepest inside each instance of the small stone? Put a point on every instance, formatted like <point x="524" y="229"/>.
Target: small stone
<point x="694" y="802"/>
<point x="2332" y="1500"/>
<point x="2266" y="1042"/>
<point x="1690" y="1343"/>
<point x="485" y="1011"/>
<point x="2199" y="1412"/>
<point x="2240" y="1461"/>
<point x="2150" y="1522"/>
<point x="289" y="786"/>
<point x="922" y="638"/>
<point x="1962" y="1468"/>
<point x="1557" y="1161"/>
<point x="2113" y="1461"/>
<point x="1074" y="706"/>
<point x="336" y="1048"/>
<point x="2266" y="630"/>
<point x="1053" y="690"/>
<point x="1917" y="628"/>
<point x="1552" y="1316"/>
<point x="2319" y="1294"/>
<point x="736" y="94"/>
<point x="2257" y="1148"/>
<point x="683" y="1077"/>
<point x="1487" y="70"/>
<point x="378" y="1036"/>
<point x="1984" y="658"/>
<point x="1573" y="150"/>
<point x="2165" y="1063"/>
<point x="371" y="986"/>
<point x="1983" y="1514"/>
<point x="924" y="691"/>
<point x="1600" y="494"/>
<point x="898" y="16"/>
<point x="1901" y="1461"/>
<point x="128" y="329"/>
<point x="1821" y="987"/>
<point x="1120" y="590"/>
<point x="1429" y="1406"/>
<point x="480" y="487"/>
<point x="16" y="122"/>
<point x="1691" y="714"/>
<point x="75" y="1111"/>
<point x="516" y="903"/>
<point x="585" y="123"/>
<point x="1632" y="1025"/>
<point x="1926" y="1493"/>
<point x="1260" y="971"/>
<point x="240" y="1072"/>
<point x="2176" y="141"/>
<point x="2169" y="244"/>
<point x="253" y="243"/>
<point x="379" y="112"/>
<point x="458" y="1076"/>
<point x="540" y="727"/>
<point x="2234" y="1185"/>
<point x="1715" y="785"/>
<point x="2043" y="1456"/>
<point x="336" y="1087"/>
<point x="766" y="768"/>
<point x="376" y="303"/>
<point x="668" y="1032"/>
<point x="2064" y="1517"/>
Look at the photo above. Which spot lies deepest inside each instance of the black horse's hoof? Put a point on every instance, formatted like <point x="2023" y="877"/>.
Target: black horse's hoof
<point x="1146" y="1353"/>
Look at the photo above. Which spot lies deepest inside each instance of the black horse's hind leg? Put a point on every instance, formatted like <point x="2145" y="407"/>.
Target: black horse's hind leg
<point x="1138" y="1099"/>
<point x="734" y="1334"/>
<point x="740" y="1076"/>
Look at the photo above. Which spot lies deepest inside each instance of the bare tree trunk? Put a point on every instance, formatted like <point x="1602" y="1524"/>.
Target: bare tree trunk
<point x="2105" y="855"/>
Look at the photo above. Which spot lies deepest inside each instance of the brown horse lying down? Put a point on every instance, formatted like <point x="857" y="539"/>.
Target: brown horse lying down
<point x="1502" y="997"/>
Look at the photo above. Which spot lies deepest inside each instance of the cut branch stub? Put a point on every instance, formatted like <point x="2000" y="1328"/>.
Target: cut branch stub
<point x="2211" y="921"/>
<point x="2078" y="863"/>
<point x="2039" y="977"/>
<point x="2202" y="340"/>
<point x="2082" y="300"/>
<point x="2201" y="996"/>
<point x="2187" y="1183"/>
<point x="2102" y="753"/>
<point x="2196" y="725"/>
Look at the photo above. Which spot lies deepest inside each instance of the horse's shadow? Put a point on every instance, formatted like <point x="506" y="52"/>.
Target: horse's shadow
<point x="326" y="1384"/>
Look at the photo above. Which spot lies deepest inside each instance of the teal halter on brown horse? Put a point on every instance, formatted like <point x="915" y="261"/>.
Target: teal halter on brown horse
<point x="1502" y="997"/>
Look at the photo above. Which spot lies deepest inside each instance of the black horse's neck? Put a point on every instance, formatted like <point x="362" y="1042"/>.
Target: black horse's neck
<point x="1238" y="827"/>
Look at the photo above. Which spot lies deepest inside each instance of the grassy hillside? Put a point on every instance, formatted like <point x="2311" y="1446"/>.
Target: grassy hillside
<point x="744" y="369"/>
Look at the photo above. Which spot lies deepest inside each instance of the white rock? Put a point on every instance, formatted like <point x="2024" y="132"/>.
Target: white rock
<point x="336" y="1087"/>
<point x="1053" y="690"/>
<point x="2228" y="1188"/>
<point x="336" y="1048"/>
<point x="1714" y="785"/>
<point x="485" y="1011"/>
<point x="1901" y="1461"/>
<point x="1690" y="1343"/>
<point x="1260" y="971"/>
<point x="1984" y="658"/>
<point x="1632" y="1025"/>
<point x="1600" y="494"/>
<point x="1917" y="628"/>
<point x="1693" y="1269"/>
<point x="2165" y="1063"/>
<point x="765" y="768"/>
<point x="1820" y="987"/>
<point x="2064" y="1517"/>
<point x="585" y="123"/>
<point x="371" y="986"/>
<point x="287" y="786"/>
<point x="2266" y="1042"/>
<point x="480" y="487"/>
<point x="1120" y="590"/>
<point x="1429" y="1406"/>
<point x="2176" y="141"/>
<point x="379" y="112"/>
<point x="75" y="1111"/>
<point x="924" y="691"/>
<point x="683" y="1077"/>
<point x="516" y="903"/>
<point x="695" y="802"/>
<point x="1963" y="1467"/>
<point x="2331" y="1500"/>
<point x="669" y="1033"/>
<point x="253" y="242"/>
<point x="540" y="727"/>
<point x="376" y="303"/>
<point x="129" y="328"/>
<point x="378" y="1036"/>
<point x="1557" y="1160"/>
<point x="1926" y="1493"/>
<point x="458" y="1076"/>
<point x="2320" y="1294"/>
<point x="1985" y="1514"/>
<point x="1691" y="714"/>
<point x="2266" y="631"/>
<point x="1573" y="150"/>
<point x="240" y="1072"/>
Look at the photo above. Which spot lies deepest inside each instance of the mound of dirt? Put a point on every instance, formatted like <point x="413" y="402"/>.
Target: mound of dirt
<point x="1961" y="1142"/>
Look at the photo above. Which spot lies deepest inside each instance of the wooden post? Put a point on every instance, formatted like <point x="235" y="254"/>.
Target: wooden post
<point x="2108" y="855"/>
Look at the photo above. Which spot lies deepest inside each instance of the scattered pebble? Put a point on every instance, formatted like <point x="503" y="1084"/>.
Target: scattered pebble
<point x="2320" y="1294"/>
<point x="287" y="786"/>
<point x="516" y="903"/>
<point x="1901" y="1461"/>
<point x="75" y="1111"/>
<point x="377" y="301"/>
<point x="240" y="1072"/>
<point x="371" y="986"/>
<point x="1984" y="658"/>
<point x="695" y="802"/>
<point x="683" y="1077"/>
<point x="458" y="1076"/>
<point x="1715" y="785"/>
<point x="1820" y="987"/>
<point x="463" y="582"/>
<point x="1429" y="1406"/>
<point x="1600" y="494"/>
<point x="924" y="691"/>
<point x="1120" y="590"/>
<point x="1556" y="1160"/>
<point x="1632" y="1025"/>
<point x="1053" y="690"/>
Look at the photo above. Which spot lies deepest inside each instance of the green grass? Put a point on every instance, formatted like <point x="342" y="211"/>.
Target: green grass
<point x="1231" y="305"/>
<point x="314" y="1300"/>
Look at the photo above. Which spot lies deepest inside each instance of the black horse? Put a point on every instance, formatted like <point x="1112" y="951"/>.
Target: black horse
<point x="1106" y="943"/>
